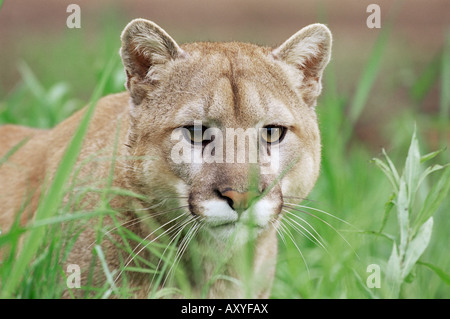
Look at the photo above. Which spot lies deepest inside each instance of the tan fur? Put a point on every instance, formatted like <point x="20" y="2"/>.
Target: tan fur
<point x="224" y="85"/>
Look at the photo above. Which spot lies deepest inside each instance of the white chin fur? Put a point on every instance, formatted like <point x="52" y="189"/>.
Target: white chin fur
<point x="225" y="223"/>
<point x="218" y="212"/>
<point x="260" y="214"/>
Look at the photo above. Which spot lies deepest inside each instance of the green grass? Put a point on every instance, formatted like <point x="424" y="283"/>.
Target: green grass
<point x="389" y="217"/>
<point x="352" y="188"/>
<point x="51" y="201"/>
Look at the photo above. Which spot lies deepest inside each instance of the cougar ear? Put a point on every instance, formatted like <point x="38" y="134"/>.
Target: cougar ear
<point x="146" y="48"/>
<point x="309" y="50"/>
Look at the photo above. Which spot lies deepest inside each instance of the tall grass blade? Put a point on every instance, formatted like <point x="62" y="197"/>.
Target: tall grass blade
<point x="437" y="194"/>
<point x="106" y="271"/>
<point x="402" y="204"/>
<point x="417" y="246"/>
<point x="445" y="277"/>
<point x="368" y="76"/>
<point x="393" y="272"/>
<point x="52" y="199"/>
<point x="431" y="155"/>
<point x="445" y="81"/>
<point x="412" y="170"/>
<point x="425" y="81"/>
<point x="14" y="149"/>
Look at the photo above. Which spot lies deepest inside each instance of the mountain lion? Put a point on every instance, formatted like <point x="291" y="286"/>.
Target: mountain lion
<point x="174" y="142"/>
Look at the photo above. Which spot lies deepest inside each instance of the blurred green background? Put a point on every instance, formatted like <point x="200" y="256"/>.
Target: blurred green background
<point x="380" y="84"/>
<point x="35" y="33"/>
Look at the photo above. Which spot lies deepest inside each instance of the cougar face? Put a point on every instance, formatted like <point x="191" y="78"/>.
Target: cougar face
<point x="231" y="126"/>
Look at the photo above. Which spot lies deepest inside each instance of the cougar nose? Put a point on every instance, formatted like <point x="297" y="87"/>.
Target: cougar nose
<point x="237" y="200"/>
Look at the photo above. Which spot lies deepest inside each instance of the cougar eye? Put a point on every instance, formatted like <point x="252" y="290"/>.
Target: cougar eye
<point x="194" y="133"/>
<point x="273" y="134"/>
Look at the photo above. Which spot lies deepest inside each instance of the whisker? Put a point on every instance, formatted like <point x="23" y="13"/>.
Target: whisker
<point x="304" y="221"/>
<point x="301" y="198"/>
<point x="164" y="200"/>
<point x="277" y="226"/>
<point x="160" y="213"/>
<point x="323" y="221"/>
<point x="133" y="254"/>
<point x="320" y="211"/>
<point x="315" y="241"/>
<point x="182" y="248"/>
<point x="289" y="234"/>
<point x="180" y="228"/>
<point x="139" y="219"/>
<point x="296" y="228"/>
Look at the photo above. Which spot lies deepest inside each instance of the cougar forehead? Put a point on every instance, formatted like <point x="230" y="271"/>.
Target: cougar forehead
<point x="231" y="85"/>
